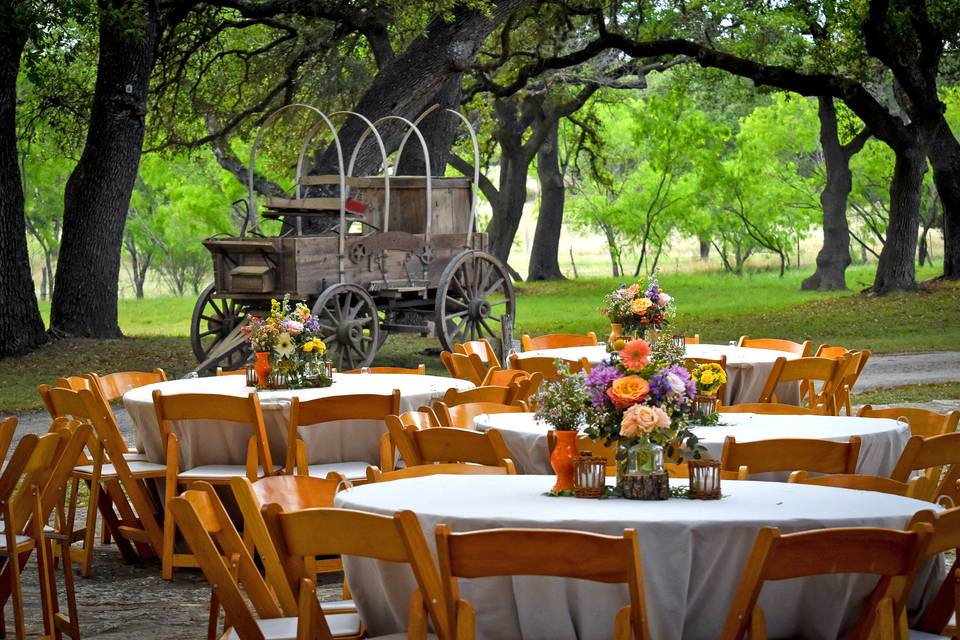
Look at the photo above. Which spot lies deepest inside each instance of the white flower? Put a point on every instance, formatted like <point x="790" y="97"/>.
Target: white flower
<point x="284" y="347"/>
<point x="675" y="383"/>
<point x="292" y="327"/>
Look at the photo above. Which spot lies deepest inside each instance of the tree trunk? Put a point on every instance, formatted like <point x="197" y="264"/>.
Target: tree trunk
<point x="21" y="328"/>
<point x="704" y="248"/>
<point x="945" y="159"/>
<point x="896" y="270"/>
<point x="509" y="207"/>
<point x="98" y="191"/>
<point x="544" y="264"/>
<point x="612" y="248"/>
<point x="834" y="257"/>
<point x="439" y="129"/>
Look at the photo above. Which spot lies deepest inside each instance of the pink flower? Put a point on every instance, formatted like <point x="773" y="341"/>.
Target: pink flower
<point x="633" y="290"/>
<point x="641" y="417"/>
<point x="635" y="354"/>
<point x="663" y="299"/>
<point x="292" y="327"/>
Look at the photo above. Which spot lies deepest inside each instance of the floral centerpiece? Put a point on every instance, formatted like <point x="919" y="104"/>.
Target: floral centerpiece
<point x="633" y="310"/>
<point x="708" y="377"/>
<point x="290" y="339"/>
<point x="641" y="400"/>
<point x="562" y="404"/>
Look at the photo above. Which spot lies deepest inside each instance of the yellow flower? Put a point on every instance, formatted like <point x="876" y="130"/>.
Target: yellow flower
<point x="640" y="305"/>
<point x="308" y="346"/>
<point x="706" y="378"/>
<point x="320" y="346"/>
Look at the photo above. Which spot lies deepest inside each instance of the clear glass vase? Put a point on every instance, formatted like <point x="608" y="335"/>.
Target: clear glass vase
<point x="640" y="458"/>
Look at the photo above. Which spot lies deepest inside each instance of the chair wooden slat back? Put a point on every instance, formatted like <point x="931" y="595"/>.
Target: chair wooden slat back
<point x="775" y="344"/>
<point x="397" y="539"/>
<point x="464" y="367"/>
<point x="231" y="372"/>
<point x="113" y="385"/>
<point x="419" y="371"/>
<point x="201" y="406"/>
<point x="525" y="389"/>
<point x="946" y="537"/>
<point x="693" y="363"/>
<point x="852" y="365"/>
<point x="788" y="454"/>
<point x="448" y="468"/>
<point x="446" y="444"/>
<point x="547" y="367"/>
<point x="489" y="393"/>
<point x="922" y="422"/>
<point x="931" y="455"/>
<point x="8" y="427"/>
<point x="498" y="377"/>
<point x="224" y="559"/>
<point x="916" y="488"/>
<point x="482" y="348"/>
<point x="831" y="351"/>
<point x="694" y="339"/>
<point x="558" y="341"/>
<point x="890" y="554"/>
<point x="463" y="415"/>
<point x="767" y="408"/>
<point x="541" y="552"/>
<point x="806" y="371"/>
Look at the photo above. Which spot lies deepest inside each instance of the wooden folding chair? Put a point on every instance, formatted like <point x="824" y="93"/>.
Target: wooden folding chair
<point x="396" y="539"/>
<point x="916" y="488"/>
<point x="335" y="409"/>
<point x="693" y="363"/>
<point x="694" y="339"/>
<point x="938" y="457"/>
<point x="558" y="341"/>
<point x="421" y="370"/>
<point x="464" y="367"/>
<point x="482" y="348"/>
<point x="445" y="444"/>
<point x="488" y="393"/>
<point x="922" y="422"/>
<point x="807" y="371"/>
<point x="775" y="344"/>
<point x="894" y="556"/>
<point x="547" y="367"/>
<point x="8" y="427"/>
<point x="938" y="620"/>
<point x="831" y="351"/>
<point x="848" y="372"/>
<point x="448" y="468"/>
<point x="291" y="493"/>
<point x="788" y="454"/>
<point x="463" y="415"/>
<point x="231" y="372"/>
<point x="525" y="389"/>
<point x="119" y="483"/>
<point x="767" y="408"/>
<point x="227" y="564"/>
<point x="243" y="412"/>
<point x="542" y="552"/>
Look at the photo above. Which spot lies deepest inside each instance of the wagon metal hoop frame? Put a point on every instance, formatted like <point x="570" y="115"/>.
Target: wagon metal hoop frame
<point x="426" y="159"/>
<point x="476" y="163"/>
<point x="343" y="182"/>
<point x="383" y="153"/>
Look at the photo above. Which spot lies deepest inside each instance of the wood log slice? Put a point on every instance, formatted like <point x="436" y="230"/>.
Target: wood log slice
<point x="655" y="486"/>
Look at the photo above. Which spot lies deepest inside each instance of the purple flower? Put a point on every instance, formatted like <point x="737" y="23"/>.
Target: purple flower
<point x="671" y="383"/>
<point x="598" y="380"/>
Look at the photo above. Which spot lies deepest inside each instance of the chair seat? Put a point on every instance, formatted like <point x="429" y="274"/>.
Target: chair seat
<point x="214" y="471"/>
<point x="925" y="635"/>
<point x="19" y="540"/>
<point x="398" y="636"/>
<point x="140" y="468"/>
<point x="341" y="624"/>
<point x="135" y="455"/>
<point x="338" y="605"/>
<point x="354" y="470"/>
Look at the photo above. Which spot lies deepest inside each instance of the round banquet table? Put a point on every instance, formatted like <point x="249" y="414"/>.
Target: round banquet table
<point x="882" y="440"/>
<point x="692" y="552"/>
<point x="747" y="369"/>
<point x="213" y="442"/>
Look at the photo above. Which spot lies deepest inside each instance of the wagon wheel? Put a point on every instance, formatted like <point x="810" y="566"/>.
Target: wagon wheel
<point x="214" y="319"/>
<point x="473" y="295"/>
<point x="349" y="325"/>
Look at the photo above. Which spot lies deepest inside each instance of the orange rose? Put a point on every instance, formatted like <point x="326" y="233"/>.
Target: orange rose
<point x="640" y="305"/>
<point x="628" y="390"/>
<point x="641" y="417"/>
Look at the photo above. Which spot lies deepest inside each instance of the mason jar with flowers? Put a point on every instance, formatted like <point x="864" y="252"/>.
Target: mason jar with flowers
<point x="641" y="401"/>
<point x="633" y="311"/>
<point x="562" y="405"/>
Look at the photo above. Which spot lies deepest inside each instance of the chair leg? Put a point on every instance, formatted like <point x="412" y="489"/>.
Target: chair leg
<point x="90" y="534"/>
<point x="73" y="623"/>
<point x="16" y="592"/>
<point x="48" y="588"/>
<point x="169" y="532"/>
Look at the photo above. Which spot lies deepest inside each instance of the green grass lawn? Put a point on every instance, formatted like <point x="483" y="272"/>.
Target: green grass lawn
<point x="719" y="307"/>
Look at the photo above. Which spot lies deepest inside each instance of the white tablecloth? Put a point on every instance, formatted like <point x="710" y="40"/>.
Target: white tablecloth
<point x="213" y="442"/>
<point x="882" y="440"/>
<point x="747" y="369"/>
<point x="692" y="551"/>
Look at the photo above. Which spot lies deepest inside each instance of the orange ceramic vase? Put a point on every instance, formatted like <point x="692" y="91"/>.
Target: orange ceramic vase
<point x="563" y="459"/>
<point x="263" y="368"/>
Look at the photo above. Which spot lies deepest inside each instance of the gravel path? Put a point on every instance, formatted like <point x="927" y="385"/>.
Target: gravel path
<point x="132" y="601"/>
